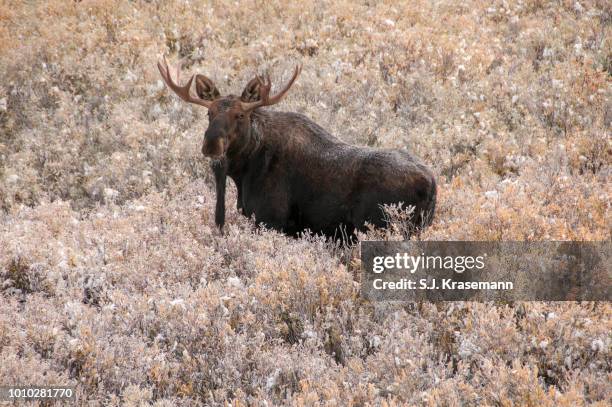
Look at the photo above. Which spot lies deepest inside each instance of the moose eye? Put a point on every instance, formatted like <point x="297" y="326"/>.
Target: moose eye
<point x="240" y="116"/>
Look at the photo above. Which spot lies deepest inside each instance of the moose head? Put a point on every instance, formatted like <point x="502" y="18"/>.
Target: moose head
<point x="228" y="116"/>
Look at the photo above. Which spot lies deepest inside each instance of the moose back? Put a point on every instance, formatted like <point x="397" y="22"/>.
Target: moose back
<point x="291" y="174"/>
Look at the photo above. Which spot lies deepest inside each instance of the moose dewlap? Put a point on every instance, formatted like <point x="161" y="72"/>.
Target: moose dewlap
<point x="291" y="174"/>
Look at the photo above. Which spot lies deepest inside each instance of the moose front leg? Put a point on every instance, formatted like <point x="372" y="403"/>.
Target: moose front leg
<point x="277" y="220"/>
<point x="265" y="198"/>
<point x="239" y="204"/>
<point x="272" y="207"/>
<point x="219" y="168"/>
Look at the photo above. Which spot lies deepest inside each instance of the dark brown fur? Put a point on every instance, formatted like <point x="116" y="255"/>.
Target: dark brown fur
<point x="292" y="175"/>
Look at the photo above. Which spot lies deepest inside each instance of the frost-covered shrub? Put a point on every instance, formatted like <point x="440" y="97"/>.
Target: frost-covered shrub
<point x="114" y="279"/>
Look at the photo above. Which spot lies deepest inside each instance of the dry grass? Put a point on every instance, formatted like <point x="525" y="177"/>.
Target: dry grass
<point x="113" y="278"/>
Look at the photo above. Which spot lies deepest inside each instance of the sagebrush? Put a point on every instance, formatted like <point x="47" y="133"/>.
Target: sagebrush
<point x="114" y="279"/>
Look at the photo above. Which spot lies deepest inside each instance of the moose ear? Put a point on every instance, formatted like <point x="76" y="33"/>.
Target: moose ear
<point x="251" y="91"/>
<point x="205" y="88"/>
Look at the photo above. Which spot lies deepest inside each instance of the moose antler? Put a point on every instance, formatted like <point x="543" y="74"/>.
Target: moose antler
<point x="264" y="91"/>
<point x="182" y="91"/>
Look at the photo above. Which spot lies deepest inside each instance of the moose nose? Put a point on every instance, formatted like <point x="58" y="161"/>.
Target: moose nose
<point x="213" y="146"/>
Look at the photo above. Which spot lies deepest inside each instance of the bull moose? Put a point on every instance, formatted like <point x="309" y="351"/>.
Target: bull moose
<point x="290" y="173"/>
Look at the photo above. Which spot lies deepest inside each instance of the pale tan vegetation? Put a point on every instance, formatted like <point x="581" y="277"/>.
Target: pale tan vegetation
<point x="114" y="279"/>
